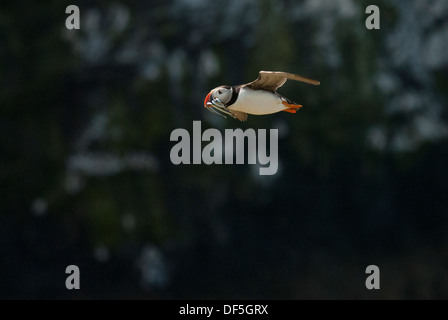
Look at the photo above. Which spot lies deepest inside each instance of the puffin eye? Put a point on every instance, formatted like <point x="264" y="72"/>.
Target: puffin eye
<point x="219" y="91"/>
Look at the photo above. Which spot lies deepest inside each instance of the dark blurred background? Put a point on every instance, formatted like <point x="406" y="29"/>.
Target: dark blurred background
<point x="86" y="178"/>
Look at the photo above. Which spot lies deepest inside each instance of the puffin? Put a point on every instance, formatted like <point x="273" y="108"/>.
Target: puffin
<point x="258" y="97"/>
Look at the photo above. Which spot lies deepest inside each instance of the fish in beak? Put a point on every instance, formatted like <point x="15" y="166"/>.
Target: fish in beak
<point x="215" y="105"/>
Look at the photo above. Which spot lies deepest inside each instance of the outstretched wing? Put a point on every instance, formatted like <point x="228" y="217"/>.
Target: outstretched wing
<point x="272" y="80"/>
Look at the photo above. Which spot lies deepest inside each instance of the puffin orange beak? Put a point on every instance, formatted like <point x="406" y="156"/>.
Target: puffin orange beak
<point x="207" y="100"/>
<point x="215" y="105"/>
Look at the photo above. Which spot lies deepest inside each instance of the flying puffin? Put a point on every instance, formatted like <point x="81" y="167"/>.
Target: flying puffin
<point x="257" y="97"/>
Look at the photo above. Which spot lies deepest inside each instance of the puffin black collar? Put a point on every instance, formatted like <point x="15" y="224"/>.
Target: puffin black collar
<point x="235" y="93"/>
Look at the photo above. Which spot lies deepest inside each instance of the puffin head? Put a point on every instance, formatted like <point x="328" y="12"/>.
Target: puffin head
<point x="220" y="96"/>
<point x="216" y="101"/>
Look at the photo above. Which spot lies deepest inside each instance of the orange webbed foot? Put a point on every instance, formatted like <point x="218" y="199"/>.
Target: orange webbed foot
<point x="292" y="108"/>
